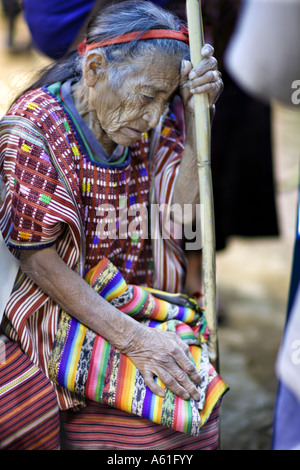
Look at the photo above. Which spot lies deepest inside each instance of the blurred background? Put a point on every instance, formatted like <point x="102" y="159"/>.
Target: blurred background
<point x="253" y="272"/>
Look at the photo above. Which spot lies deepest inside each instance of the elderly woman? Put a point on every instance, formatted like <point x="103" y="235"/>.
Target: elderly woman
<point x="95" y="134"/>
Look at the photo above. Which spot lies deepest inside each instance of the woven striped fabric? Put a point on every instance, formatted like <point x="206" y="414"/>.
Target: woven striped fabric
<point x="87" y="364"/>
<point x="29" y="416"/>
<point x="105" y="428"/>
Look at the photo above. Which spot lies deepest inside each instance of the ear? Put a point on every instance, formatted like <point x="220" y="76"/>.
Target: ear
<point x="94" y="65"/>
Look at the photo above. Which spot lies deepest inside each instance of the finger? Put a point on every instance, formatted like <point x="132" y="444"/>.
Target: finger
<point x="207" y="50"/>
<point x="185" y="360"/>
<point x="154" y="387"/>
<point x="186" y="68"/>
<point x="172" y="384"/>
<point x="209" y="77"/>
<point x="182" y="345"/>
<point x="169" y="381"/>
<point x="212" y="89"/>
<point x="183" y="379"/>
<point x="205" y="65"/>
<point x="187" y="365"/>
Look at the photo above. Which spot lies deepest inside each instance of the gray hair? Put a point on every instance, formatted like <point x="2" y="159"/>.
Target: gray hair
<point x="114" y="21"/>
<point x="131" y="16"/>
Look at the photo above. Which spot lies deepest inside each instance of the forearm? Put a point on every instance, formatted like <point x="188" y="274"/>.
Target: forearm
<point x="77" y="297"/>
<point x="186" y="190"/>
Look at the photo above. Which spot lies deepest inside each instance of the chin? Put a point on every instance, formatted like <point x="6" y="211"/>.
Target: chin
<point x="126" y="141"/>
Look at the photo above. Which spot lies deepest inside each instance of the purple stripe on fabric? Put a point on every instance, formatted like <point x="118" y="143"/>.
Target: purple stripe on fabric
<point x="154" y="324"/>
<point x="128" y="264"/>
<point x="181" y="313"/>
<point x="143" y="171"/>
<point x="147" y="403"/>
<point x="55" y="117"/>
<point x="45" y="157"/>
<point x="63" y="368"/>
<point x="96" y="240"/>
<point x="112" y="284"/>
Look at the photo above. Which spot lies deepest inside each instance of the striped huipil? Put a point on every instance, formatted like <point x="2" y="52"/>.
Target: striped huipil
<point x="55" y="195"/>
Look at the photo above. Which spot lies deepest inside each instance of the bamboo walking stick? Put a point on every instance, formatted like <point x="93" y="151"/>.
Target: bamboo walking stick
<point x="202" y="123"/>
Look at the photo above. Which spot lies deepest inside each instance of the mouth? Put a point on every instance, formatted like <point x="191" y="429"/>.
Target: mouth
<point x="135" y="132"/>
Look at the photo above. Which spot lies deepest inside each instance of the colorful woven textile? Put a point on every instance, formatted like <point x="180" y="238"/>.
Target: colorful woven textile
<point x="29" y="417"/>
<point x="87" y="364"/>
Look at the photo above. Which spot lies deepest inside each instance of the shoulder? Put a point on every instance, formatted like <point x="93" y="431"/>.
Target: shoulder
<point x="32" y="102"/>
<point x="25" y="132"/>
<point x="37" y="117"/>
<point x="39" y="107"/>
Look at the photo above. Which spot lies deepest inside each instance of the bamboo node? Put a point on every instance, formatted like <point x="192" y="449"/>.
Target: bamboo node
<point x="206" y="163"/>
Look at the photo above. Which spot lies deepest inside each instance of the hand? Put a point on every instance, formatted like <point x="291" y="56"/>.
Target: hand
<point x="204" y="78"/>
<point x="163" y="354"/>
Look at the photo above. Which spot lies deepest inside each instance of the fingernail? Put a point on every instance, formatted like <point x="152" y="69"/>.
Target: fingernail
<point x="183" y="62"/>
<point x="206" y="49"/>
<point x="192" y="75"/>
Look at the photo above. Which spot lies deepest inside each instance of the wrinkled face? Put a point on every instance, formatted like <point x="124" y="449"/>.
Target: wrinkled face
<point x="137" y="103"/>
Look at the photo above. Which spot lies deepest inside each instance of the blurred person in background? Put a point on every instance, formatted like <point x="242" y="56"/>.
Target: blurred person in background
<point x="264" y="58"/>
<point x="12" y="10"/>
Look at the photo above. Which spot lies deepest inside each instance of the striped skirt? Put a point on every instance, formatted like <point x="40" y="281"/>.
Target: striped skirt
<point x="29" y="417"/>
<point x="101" y="427"/>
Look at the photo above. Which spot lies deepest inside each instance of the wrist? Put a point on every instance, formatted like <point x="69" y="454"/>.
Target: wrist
<point x="129" y="335"/>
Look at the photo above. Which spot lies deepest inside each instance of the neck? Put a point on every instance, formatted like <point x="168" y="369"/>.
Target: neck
<point x="80" y="93"/>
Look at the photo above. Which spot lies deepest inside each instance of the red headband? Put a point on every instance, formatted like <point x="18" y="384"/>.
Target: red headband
<point x="181" y="35"/>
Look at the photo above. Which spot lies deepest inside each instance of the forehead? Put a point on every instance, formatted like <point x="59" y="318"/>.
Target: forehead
<point x="157" y="72"/>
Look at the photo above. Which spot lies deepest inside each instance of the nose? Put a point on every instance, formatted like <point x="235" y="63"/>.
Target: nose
<point x="153" y="115"/>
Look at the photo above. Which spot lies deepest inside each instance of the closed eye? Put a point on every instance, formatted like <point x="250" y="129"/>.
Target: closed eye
<point x="147" y="98"/>
<point x="150" y="99"/>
